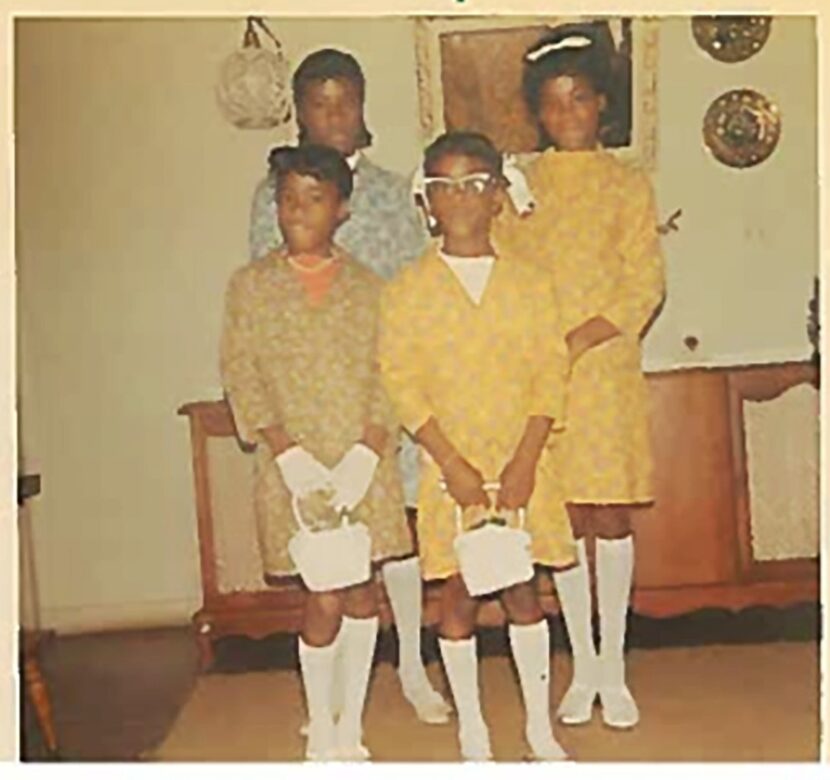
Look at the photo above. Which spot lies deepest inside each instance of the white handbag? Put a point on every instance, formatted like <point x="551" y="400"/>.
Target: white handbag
<point x="332" y="558"/>
<point x="493" y="556"/>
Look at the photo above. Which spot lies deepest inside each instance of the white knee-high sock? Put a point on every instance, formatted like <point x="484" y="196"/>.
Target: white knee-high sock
<point x="405" y="590"/>
<point x="461" y="664"/>
<point x="573" y="587"/>
<point x="317" y="668"/>
<point x="530" y="646"/>
<point x="358" y="638"/>
<point x="615" y="567"/>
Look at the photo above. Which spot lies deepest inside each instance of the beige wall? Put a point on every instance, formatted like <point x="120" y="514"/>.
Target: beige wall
<point x="132" y="203"/>
<point x="132" y="209"/>
<point x="740" y="271"/>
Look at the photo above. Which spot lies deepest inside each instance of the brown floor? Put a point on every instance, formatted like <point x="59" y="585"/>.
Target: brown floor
<point x="113" y="694"/>
<point x="707" y="703"/>
<point x="117" y="696"/>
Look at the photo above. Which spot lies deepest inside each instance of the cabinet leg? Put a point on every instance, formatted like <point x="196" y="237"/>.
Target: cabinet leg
<point x="204" y="640"/>
<point x="39" y="695"/>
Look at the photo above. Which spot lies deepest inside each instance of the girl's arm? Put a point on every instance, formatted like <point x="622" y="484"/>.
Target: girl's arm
<point x="277" y="439"/>
<point x="399" y="359"/>
<point x="402" y="369"/>
<point x="641" y="285"/>
<point x="549" y="378"/>
<point x="465" y="483"/>
<point x="253" y="410"/>
<point x="518" y="478"/>
<point x="380" y="416"/>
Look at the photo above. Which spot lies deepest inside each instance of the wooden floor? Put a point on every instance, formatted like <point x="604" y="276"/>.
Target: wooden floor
<point x="116" y="696"/>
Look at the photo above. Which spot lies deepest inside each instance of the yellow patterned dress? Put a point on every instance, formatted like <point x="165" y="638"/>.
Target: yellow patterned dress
<point x="595" y="231"/>
<point x="480" y="371"/>
<point x="312" y="369"/>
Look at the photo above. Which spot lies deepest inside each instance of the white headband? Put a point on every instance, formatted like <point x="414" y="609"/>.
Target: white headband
<point x="571" y="42"/>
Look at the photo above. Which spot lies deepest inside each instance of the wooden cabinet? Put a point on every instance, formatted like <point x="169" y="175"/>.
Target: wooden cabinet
<point x="694" y="545"/>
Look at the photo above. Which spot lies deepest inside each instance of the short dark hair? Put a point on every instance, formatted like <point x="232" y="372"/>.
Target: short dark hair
<point x="320" y="162"/>
<point x="325" y="64"/>
<point x="468" y="144"/>
<point x="592" y="62"/>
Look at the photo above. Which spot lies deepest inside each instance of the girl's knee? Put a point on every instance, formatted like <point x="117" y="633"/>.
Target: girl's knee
<point x="580" y="517"/>
<point x="361" y="601"/>
<point x="323" y="613"/>
<point x="328" y="604"/>
<point x="611" y="522"/>
<point x="458" y="610"/>
<point x="522" y="604"/>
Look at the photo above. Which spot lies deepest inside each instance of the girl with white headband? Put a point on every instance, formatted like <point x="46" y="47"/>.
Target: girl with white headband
<point x="594" y="228"/>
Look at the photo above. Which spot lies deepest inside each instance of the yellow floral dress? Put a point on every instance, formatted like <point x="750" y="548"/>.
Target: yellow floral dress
<point x="595" y="230"/>
<point x="313" y="370"/>
<point x="480" y="371"/>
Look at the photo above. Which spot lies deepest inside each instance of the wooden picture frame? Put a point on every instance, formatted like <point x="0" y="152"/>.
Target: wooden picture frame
<point x="453" y="54"/>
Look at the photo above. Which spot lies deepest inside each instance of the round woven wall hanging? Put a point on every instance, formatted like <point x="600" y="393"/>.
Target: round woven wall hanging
<point x="741" y="128"/>
<point x="731" y="38"/>
<point x="254" y="89"/>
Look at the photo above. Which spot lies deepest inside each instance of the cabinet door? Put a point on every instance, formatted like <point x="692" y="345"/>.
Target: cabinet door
<point x="688" y="537"/>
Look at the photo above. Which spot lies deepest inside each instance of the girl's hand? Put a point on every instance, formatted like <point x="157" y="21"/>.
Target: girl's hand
<point x="588" y="335"/>
<point x="465" y="483"/>
<point x="518" y="479"/>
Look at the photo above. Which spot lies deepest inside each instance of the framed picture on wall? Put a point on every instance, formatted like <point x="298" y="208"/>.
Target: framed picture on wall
<point x="470" y="73"/>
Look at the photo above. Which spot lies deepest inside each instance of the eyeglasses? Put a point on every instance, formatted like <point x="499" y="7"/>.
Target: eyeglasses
<point x="471" y="184"/>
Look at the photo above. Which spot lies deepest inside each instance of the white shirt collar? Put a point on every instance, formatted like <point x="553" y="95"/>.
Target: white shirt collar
<point x="472" y="272"/>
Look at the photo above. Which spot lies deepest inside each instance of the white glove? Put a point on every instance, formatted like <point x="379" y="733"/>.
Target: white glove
<point x="353" y="475"/>
<point x="302" y="472"/>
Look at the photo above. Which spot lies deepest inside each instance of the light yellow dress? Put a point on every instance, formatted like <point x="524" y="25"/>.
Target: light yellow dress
<point x="480" y="371"/>
<point x="595" y="230"/>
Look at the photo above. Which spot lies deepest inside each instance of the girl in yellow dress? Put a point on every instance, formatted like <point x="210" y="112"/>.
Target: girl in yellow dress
<point x="594" y="229"/>
<point x="470" y="356"/>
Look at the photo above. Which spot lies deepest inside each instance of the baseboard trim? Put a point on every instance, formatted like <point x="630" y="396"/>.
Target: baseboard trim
<point x="91" y="618"/>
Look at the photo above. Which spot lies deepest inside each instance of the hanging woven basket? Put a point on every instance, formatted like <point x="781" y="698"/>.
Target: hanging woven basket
<point x="254" y="83"/>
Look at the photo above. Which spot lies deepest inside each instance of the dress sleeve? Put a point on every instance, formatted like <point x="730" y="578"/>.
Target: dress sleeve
<point x="641" y="285"/>
<point x="548" y="395"/>
<point x="263" y="232"/>
<point x="244" y="384"/>
<point x="380" y="411"/>
<point x="400" y="360"/>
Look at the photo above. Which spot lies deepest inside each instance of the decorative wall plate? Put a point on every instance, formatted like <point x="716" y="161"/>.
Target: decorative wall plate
<point x="731" y="38"/>
<point x="741" y="128"/>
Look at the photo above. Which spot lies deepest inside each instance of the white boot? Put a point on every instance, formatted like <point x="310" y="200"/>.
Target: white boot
<point x="531" y="652"/>
<point x="405" y="590"/>
<point x="461" y="664"/>
<point x="357" y="638"/>
<point x="615" y="566"/>
<point x="573" y="588"/>
<point x="337" y="685"/>
<point x="317" y="668"/>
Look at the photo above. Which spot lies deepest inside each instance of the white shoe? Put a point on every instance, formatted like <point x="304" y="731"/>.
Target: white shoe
<point x="353" y="752"/>
<point x="475" y="744"/>
<point x="544" y="746"/>
<point x="619" y="710"/>
<point x="429" y="705"/>
<point x="321" y="744"/>
<point x="577" y="705"/>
